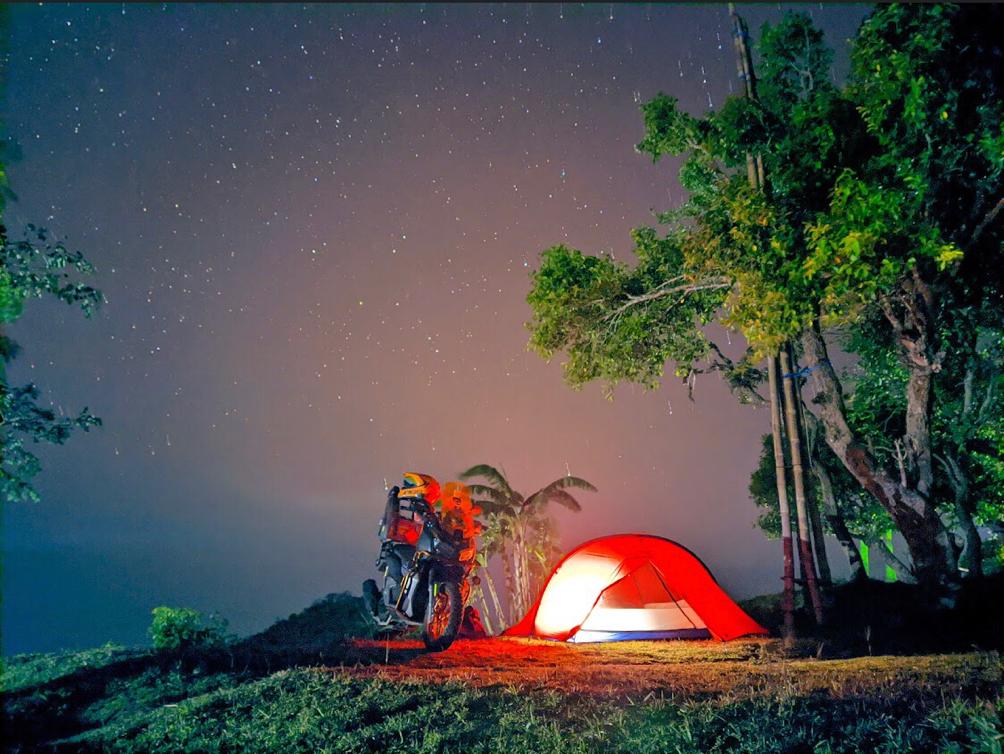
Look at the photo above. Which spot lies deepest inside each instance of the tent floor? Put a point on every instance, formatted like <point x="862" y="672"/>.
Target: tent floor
<point x="590" y="636"/>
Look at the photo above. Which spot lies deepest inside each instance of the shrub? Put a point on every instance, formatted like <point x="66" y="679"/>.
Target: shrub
<point x="327" y="622"/>
<point x="184" y="628"/>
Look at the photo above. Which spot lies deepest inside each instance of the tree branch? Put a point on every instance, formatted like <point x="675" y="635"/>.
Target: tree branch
<point x="988" y="218"/>
<point x="666" y="289"/>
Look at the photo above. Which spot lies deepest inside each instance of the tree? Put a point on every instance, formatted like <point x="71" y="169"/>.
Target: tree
<point x="35" y="267"/>
<point x="927" y="83"/>
<point x="850" y="514"/>
<point x="883" y="196"/>
<point x="966" y="406"/>
<point x="518" y="528"/>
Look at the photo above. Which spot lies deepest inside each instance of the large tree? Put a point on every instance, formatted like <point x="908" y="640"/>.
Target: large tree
<point x="968" y="414"/>
<point x="882" y="200"/>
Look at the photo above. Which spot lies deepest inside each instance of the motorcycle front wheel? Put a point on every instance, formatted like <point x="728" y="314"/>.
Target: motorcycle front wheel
<point x="443" y="614"/>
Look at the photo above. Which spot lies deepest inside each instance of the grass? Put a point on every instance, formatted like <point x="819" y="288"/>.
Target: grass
<point x="313" y="710"/>
<point x="305" y="686"/>
<point x="37" y="669"/>
<point x="700" y="697"/>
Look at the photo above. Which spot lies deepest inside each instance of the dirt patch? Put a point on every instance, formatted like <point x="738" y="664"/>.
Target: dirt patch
<point x="695" y="669"/>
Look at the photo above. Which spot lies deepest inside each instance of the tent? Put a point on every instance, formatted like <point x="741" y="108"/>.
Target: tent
<point x="633" y="586"/>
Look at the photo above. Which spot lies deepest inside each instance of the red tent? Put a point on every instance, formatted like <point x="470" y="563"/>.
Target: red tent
<point x="633" y="586"/>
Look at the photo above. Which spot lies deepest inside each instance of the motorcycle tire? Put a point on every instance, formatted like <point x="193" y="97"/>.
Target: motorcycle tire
<point x="443" y="614"/>
<point x="372" y="597"/>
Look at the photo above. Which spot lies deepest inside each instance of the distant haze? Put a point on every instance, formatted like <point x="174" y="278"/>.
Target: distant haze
<point x="314" y="227"/>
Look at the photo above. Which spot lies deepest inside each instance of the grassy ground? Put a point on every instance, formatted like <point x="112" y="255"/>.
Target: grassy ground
<point x="508" y="696"/>
<point x="304" y="686"/>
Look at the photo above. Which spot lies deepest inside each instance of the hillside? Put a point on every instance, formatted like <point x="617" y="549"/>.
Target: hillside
<point x="304" y="685"/>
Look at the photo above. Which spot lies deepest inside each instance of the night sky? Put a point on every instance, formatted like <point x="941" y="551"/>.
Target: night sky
<point x="314" y="227"/>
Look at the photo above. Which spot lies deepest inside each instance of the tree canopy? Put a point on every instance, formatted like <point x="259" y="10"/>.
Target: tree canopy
<point x="880" y="207"/>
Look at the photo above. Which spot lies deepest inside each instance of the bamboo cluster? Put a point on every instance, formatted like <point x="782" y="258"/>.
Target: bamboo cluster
<point x="790" y="396"/>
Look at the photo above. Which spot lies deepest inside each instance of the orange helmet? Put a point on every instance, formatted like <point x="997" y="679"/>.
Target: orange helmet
<point x="419" y="487"/>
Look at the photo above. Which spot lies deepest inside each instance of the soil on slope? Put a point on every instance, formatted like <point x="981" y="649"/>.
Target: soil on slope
<point x="687" y="668"/>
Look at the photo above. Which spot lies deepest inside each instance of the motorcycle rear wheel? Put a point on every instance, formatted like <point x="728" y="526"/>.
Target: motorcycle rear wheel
<point x="443" y="614"/>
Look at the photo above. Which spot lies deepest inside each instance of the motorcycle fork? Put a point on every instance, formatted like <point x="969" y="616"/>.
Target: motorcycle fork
<point x="406" y="581"/>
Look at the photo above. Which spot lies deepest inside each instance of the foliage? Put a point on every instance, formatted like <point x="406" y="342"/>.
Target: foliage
<point x="590" y="307"/>
<point x="35" y="267"/>
<point x="519" y="530"/>
<point x="731" y="254"/>
<point x="866" y="520"/>
<point x="175" y="628"/>
<point x="25" y="420"/>
<point x="322" y="625"/>
<point x="39" y="668"/>
<point x="880" y="207"/>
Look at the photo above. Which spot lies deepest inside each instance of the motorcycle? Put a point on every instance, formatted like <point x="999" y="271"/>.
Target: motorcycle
<point x="424" y="584"/>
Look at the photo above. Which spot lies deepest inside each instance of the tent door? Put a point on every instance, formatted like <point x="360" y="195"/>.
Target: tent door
<point x="640" y="601"/>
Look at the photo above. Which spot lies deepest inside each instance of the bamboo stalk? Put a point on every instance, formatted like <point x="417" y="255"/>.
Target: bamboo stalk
<point x="486" y="620"/>
<point x="805" y="557"/>
<point x="755" y="175"/>
<point x="788" y="595"/>
<point x="487" y="579"/>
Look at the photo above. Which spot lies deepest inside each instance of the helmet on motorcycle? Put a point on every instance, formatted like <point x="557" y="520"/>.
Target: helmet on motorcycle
<point x="419" y="487"/>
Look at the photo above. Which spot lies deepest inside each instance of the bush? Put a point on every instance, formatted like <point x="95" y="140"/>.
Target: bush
<point x="184" y="628"/>
<point x="320" y="627"/>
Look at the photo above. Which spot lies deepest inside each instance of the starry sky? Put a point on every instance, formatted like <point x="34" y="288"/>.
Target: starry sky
<point x="314" y="226"/>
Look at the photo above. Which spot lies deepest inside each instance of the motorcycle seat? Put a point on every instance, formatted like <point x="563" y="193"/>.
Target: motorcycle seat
<point x="405" y="552"/>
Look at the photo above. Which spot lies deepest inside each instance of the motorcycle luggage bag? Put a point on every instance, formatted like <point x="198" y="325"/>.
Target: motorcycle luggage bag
<point x="400" y="528"/>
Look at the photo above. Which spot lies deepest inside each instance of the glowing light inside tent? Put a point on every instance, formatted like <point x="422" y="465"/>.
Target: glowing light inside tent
<point x="653" y="616"/>
<point x="633" y="586"/>
<point x="572" y="591"/>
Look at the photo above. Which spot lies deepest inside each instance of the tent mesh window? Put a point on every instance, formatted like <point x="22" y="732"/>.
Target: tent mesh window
<point x="647" y="603"/>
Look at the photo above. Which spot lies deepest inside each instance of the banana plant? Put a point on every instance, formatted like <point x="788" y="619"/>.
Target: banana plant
<point x="520" y="531"/>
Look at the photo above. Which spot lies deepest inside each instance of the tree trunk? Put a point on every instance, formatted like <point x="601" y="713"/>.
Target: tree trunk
<point x="837" y="523"/>
<point x="913" y="513"/>
<point x="798" y="475"/>
<point x="510" y="583"/>
<point x="486" y="619"/>
<point x="520" y="567"/>
<point x="819" y="543"/>
<point x="516" y="598"/>
<point x="527" y="575"/>
<point x="910" y="311"/>
<point x="884" y="558"/>
<point x="788" y="594"/>
<point x="958" y="479"/>
<point x="487" y="579"/>
<point x="972" y="552"/>
<point x="811" y="501"/>
<point x="499" y="614"/>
